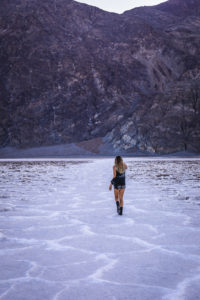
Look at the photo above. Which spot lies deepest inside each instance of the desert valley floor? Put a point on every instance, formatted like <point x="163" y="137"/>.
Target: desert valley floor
<point x="61" y="238"/>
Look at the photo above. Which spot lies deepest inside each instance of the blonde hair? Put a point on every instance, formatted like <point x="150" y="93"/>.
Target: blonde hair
<point x="119" y="164"/>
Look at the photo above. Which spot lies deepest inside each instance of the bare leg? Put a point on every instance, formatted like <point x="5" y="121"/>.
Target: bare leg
<point x="116" y="193"/>
<point x="121" y="195"/>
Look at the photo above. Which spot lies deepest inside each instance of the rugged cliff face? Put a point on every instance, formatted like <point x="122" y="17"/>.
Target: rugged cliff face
<point x="71" y="73"/>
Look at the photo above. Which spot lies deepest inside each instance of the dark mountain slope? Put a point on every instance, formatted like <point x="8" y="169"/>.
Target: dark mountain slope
<point x="180" y="8"/>
<point x="70" y="72"/>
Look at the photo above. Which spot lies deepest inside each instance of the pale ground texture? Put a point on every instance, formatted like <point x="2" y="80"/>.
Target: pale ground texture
<point x="61" y="238"/>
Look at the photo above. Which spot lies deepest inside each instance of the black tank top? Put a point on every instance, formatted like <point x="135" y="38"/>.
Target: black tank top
<point x="120" y="178"/>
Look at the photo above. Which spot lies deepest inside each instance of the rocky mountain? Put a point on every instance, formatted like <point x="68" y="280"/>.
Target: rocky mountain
<point x="72" y="73"/>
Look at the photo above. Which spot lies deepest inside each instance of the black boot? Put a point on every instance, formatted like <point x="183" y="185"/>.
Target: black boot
<point x="121" y="211"/>
<point x="117" y="203"/>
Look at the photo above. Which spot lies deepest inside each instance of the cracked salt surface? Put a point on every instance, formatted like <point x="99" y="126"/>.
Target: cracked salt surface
<point x="60" y="236"/>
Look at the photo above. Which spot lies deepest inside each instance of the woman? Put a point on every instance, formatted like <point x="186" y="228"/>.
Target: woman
<point x="119" y="182"/>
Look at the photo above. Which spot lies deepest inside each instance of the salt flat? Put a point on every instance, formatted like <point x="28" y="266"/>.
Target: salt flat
<point x="61" y="239"/>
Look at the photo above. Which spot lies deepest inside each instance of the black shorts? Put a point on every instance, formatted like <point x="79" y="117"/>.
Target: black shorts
<point x="119" y="187"/>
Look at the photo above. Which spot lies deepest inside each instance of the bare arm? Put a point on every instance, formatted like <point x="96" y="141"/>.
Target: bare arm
<point x="114" y="172"/>
<point x="114" y="175"/>
<point x="125" y="166"/>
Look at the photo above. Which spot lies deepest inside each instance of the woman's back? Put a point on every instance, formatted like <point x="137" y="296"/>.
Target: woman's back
<point x="119" y="182"/>
<point x="118" y="174"/>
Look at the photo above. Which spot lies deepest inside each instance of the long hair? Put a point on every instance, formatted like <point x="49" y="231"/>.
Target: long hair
<point x="119" y="164"/>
